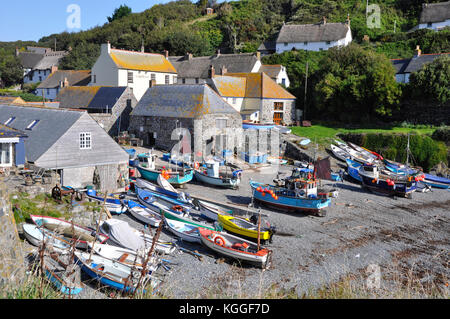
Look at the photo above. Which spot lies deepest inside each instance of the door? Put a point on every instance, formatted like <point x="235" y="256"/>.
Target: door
<point x="278" y="108"/>
<point x="277" y="118"/>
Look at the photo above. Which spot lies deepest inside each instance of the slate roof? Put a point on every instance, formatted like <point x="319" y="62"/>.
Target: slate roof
<point x="141" y="61"/>
<point x="198" y="67"/>
<point x="52" y="125"/>
<point x="268" y="46"/>
<point x="435" y="12"/>
<point x="181" y="101"/>
<point x="415" y="64"/>
<point x="75" y="78"/>
<point x="250" y="85"/>
<point x="271" y="70"/>
<point x="41" y="61"/>
<point x="89" y="97"/>
<point x="319" y="32"/>
<point x="8" y="132"/>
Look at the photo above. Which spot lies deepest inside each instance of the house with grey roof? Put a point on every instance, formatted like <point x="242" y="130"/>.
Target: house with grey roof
<point x="405" y="67"/>
<point x="58" y="80"/>
<point x="70" y="143"/>
<point x="193" y="108"/>
<point x="39" y="63"/>
<point x="313" y="37"/>
<point x="434" y="16"/>
<point x="109" y="106"/>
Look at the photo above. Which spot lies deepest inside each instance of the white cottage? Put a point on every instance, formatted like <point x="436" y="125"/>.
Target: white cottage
<point x="435" y="16"/>
<point x="136" y="70"/>
<point x="313" y="37"/>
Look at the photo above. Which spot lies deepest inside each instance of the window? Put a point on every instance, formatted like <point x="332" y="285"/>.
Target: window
<point x="94" y="78"/>
<point x="32" y="125"/>
<point x="328" y="42"/>
<point x="221" y="123"/>
<point x="129" y="103"/>
<point x="153" y="77"/>
<point x="167" y="79"/>
<point x="234" y="100"/>
<point x="197" y="80"/>
<point x="286" y="44"/>
<point x="48" y="92"/>
<point x="183" y="81"/>
<point x="175" y="80"/>
<point x="10" y="120"/>
<point x="130" y="77"/>
<point x="278" y="106"/>
<point x="5" y="154"/>
<point x="40" y="79"/>
<point x="85" y="141"/>
<point x="429" y="24"/>
<point x="305" y="43"/>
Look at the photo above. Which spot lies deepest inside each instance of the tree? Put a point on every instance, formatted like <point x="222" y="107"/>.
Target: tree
<point x="432" y="82"/>
<point x="356" y="84"/>
<point x="11" y="71"/>
<point x="82" y="57"/>
<point x="120" y="12"/>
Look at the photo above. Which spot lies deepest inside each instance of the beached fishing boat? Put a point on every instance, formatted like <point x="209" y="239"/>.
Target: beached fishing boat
<point x="339" y="153"/>
<point x="114" y="203"/>
<point x="156" y="202"/>
<point x="180" y="196"/>
<point x="358" y="156"/>
<point x="114" y="274"/>
<point x="148" y="170"/>
<point x="61" y="273"/>
<point x="394" y="185"/>
<point x="353" y="169"/>
<point x="210" y="211"/>
<point x="243" y="227"/>
<point x="125" y="256"/>
<point x="188" y="218"/>
<point x="69" y="231"/>
<point x="297" y="195"/>
<point x="123" y="235"/>
<point x="211" y="175"/>
<point x="363" y="151"/>
<point x="144" y="214"/>
<point x="185" y="231"/>
<point x="37" y="235"/>
<point x="235" y="247"/>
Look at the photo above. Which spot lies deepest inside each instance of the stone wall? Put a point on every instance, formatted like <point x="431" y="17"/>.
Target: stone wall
<point x="12" y="261"/>
<point x="267" y="111"/>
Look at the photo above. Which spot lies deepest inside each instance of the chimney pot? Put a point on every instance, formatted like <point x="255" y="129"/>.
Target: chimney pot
<point x="152" y="83"/>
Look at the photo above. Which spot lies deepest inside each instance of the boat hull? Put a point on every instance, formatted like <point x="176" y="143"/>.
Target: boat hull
<point x="381" y="186"/>
<point x="290" y="203"/>
<point x="353" y="170"/>
<point x="176" y="180"/>
<point x="229" y="223"/>
<point x="215" y="181"/>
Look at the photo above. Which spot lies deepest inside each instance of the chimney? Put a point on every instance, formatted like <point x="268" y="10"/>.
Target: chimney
<point x="166" y="54"/>
<point x="106" y="48"/>
<point x="152" y="83"/>
<point x="223" y="70"/>
<point x="17" y="51"/>
<point x="54" y="69"/>
<point x="324" y="20"/>
<point x="348" y="19"/>
<point x="142" y="48"/>
<point x="218" y="53"/>
<point x="258" y="55"/>
<point x="66" y="82"/>
<point x="212" y="72"/>
<point x="418" y="51"/>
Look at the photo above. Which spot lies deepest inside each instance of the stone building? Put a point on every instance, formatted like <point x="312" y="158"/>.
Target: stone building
<point x="109" y="106"/>
<point x="197" y="110"/>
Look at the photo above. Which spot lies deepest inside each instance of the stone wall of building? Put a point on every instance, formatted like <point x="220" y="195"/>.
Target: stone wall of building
<point x="267" y="111"/>
<point x="12" y="256"/>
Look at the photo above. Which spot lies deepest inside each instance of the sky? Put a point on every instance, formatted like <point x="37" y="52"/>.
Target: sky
<point x="30" y="20"/>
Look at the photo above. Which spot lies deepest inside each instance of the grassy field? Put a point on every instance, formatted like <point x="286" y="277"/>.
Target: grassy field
<point x="324" y="134"/>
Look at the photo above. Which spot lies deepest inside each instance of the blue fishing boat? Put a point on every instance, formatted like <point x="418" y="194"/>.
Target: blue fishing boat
<point x="180" y="196"/>
<point x="436" y="184"/>
<point x="393" y="185"/>
<point x="436" y="179"/>
<point x="353" y="169"/>
<point x="148" y="170"/>
<point x="68" y="282"/>
<point x="115" y="204"/>
<point x="298" y="195"/>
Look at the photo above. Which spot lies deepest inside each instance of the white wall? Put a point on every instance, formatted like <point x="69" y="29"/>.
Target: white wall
<point x="283" y="76"/>
<point x="435" y="25"/>
<point x="314" y="46"/>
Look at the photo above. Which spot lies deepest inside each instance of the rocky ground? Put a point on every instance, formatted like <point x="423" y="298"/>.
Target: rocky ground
<point x="404" y="240"/>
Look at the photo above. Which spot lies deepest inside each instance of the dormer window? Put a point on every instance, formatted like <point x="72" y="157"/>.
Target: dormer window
<point x="32" y="125"/>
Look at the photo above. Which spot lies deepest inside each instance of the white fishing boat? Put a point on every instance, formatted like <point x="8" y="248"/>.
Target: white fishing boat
<point x="38" y="235"/>
<point x="211" y="175"/>
<point x="125" y="256"/>
<point x="211" y="211"/>
<point x="340" y="153"/>
<point x="122" y="234"/>
<point x="185" y="231"/>
<point x="68" y="230"/>
<point x="144" y="214"/>
<point x="114" y="274"/>
<point x="236" y="248"/>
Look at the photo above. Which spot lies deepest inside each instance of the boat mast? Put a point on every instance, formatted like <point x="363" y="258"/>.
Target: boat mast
<point x="407" y="153"/>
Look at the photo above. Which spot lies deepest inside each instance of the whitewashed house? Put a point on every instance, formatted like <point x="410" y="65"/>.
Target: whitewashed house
<point x="136" y="70"/>
<point x="313" y="37"/>
<point x="278" y="73"/>
<point x="39" y="63"/>
<point x="434" y="16"/>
